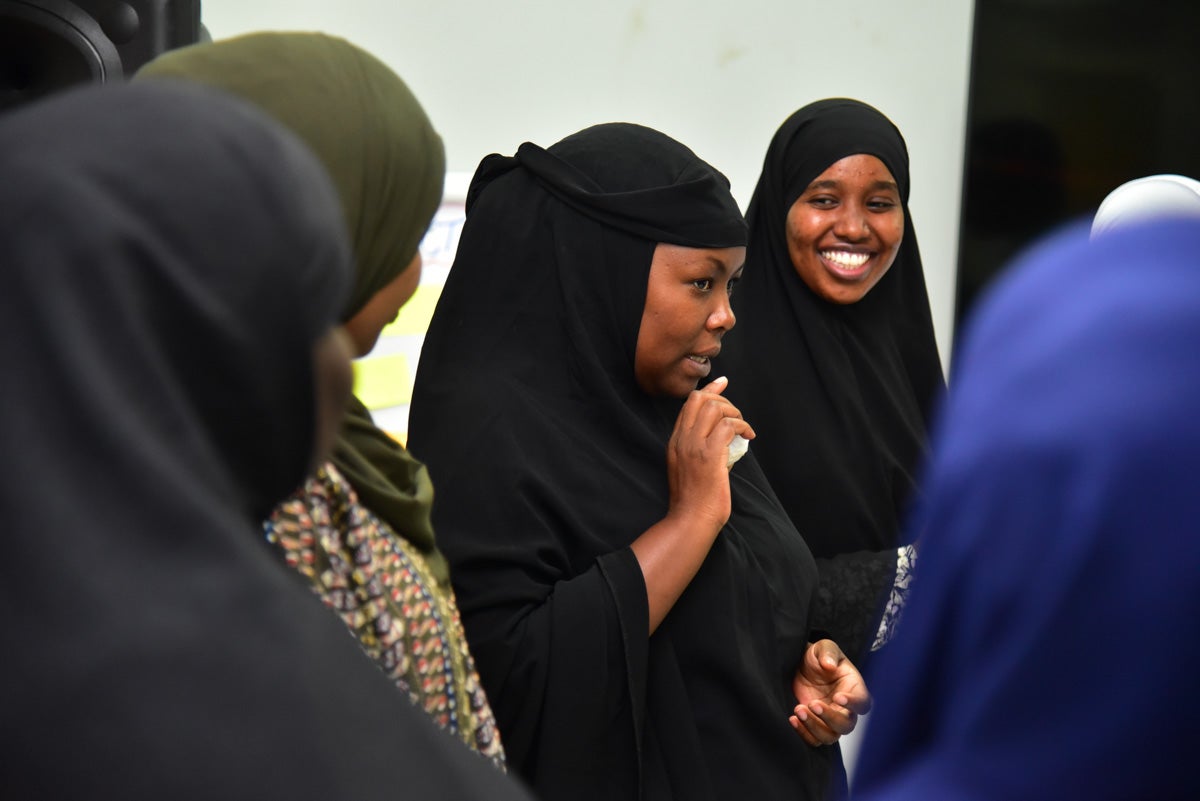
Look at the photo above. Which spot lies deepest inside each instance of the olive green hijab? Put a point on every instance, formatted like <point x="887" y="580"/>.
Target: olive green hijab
<point x="387" y="163"/>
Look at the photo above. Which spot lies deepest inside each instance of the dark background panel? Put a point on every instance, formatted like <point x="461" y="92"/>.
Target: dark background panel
<point x="1068" y="100"/>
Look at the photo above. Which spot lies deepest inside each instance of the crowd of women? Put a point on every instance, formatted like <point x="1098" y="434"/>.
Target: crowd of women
<point x="608" y="597"/>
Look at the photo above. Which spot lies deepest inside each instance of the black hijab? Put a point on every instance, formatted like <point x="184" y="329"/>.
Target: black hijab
<point x="551" y="461"/>
<point x="839" y="395"/>
<point x="170" y="257"/>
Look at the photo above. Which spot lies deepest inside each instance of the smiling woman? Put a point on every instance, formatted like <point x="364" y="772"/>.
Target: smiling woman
<point x="835" y="362"/>
<point x="845" y="230"/>
<point x="641" y="612"/>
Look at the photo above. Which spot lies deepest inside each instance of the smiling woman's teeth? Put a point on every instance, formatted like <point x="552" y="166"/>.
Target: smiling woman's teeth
<point x="699" y="359"/>
<point x="845" y="259"/>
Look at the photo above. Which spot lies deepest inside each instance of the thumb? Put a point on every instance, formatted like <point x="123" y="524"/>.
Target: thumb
<point x="828" y="655"/>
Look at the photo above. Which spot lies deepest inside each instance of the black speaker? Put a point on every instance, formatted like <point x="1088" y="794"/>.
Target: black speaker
<point x="46" y="45"/>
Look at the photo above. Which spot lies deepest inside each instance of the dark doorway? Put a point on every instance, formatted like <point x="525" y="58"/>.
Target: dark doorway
<point x="1068" y="100"/>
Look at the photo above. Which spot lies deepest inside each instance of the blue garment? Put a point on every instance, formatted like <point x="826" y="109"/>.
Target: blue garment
<point x="1049" y="647"/>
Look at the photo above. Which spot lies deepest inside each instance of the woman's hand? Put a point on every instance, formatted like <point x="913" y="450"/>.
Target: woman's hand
<point x="830" y="694"/>
<point x="698" y="455"/>
<point x="672" y="550"/>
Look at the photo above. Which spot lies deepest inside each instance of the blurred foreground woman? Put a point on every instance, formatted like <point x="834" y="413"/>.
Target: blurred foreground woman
<point x="173" y="263"/>
<point x="1055" y="605"/>
<point x="358" y="530"/>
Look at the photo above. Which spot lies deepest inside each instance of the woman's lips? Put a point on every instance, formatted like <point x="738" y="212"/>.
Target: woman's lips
<point x="698" y="365"/>
<point x="847" y="263"/>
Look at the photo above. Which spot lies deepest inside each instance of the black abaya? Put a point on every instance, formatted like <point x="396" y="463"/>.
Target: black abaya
<point x="840" y="395"/>
<point x="549" y="461"/>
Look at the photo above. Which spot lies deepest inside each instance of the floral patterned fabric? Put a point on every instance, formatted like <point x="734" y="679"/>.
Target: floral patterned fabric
<point x="384" y="591"/>
<point x="906" y="559"/>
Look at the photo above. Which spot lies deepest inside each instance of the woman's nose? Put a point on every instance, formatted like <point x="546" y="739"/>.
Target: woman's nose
<point x="851" y="224"/>
<point x="722" y="317"/>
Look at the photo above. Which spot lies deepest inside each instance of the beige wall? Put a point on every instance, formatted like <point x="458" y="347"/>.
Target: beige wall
<point x="720" y="77"/>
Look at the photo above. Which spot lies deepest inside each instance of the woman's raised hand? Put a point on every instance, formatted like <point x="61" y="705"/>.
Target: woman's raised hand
<point x="672" y="550"/>
<point x="698" y="454"/>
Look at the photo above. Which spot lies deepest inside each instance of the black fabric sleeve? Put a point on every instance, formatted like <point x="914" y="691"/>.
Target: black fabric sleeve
<point x="850" y="597"/>
<point x="567" y="683"/>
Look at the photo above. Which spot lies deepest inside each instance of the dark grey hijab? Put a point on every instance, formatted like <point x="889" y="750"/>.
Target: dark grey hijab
<point x="169" y="258"/>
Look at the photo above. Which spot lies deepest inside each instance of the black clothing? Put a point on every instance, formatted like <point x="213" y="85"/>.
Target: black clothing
<point x="170" y="258"/>
<point x="839" y="395"/>
<point x="550" y="461"/>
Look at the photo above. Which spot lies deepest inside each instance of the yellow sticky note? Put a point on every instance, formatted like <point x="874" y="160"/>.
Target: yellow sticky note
<point x="383" y="381"/>
<point x="416" y="313"/>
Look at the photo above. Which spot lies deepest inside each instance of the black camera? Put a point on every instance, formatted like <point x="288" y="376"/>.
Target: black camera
<point x="47" y="45"/>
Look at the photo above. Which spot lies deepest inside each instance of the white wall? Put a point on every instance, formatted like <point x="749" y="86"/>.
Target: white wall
<point x="719" y="77"/>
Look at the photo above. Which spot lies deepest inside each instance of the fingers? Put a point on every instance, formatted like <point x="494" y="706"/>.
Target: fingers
<point x="716" y="386"/>
<point x="708" y="397"/>
<point x="706" y="412"/>
<point x="838" y="719"/>
<point x="856" y="699"/>
<point x="827" y="654"/>
<point x="848" y="688"/>
<point x="803" y="731"/>
<point x="698" y="454"/>
<point x="820" y="668"/>
<point x="812" y="728"/>
<point x="710" y="410"/>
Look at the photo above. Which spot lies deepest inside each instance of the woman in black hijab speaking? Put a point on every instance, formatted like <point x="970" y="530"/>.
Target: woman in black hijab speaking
<point x="640" y="611"/>
<point x="835" y="360"/>
<point x="173" y="264"/>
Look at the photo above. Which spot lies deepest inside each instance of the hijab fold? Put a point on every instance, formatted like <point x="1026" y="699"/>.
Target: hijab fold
<point x="388" y="165"/>
<point x="689" y="211"/>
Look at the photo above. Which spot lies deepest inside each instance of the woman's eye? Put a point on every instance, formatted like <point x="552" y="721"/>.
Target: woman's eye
<point x="732" y="283"/>
<point x="703" y="284"/>
<point x="822" y="202"/>
<point x="881" y="205"/>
